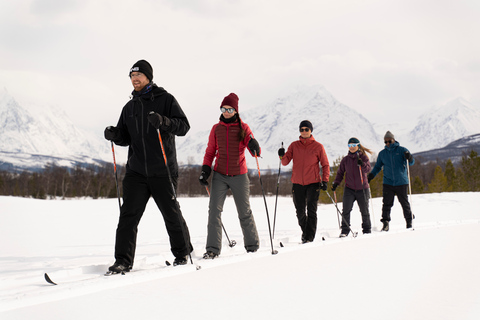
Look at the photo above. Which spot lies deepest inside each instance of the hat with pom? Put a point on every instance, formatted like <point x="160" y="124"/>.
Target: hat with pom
<point x="389" y="135"/>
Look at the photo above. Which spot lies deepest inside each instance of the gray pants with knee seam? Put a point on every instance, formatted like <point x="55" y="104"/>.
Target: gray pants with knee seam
<point x="240" y="187"/>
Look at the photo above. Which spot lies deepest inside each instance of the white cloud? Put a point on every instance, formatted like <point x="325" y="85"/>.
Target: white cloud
<point x="379" y="57"/>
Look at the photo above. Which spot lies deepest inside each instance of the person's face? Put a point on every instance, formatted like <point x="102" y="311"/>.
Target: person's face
<point x="305" y="132"/>
<point x="228" y="112"/>
<point x="139" y="80"/>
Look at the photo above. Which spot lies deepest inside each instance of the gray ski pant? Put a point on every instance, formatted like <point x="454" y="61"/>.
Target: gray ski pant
<point x="240" y="187"/>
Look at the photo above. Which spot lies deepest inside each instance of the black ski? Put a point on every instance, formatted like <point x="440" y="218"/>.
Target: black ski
<point x="47" y="278"/>
<point x="112" y="273"/>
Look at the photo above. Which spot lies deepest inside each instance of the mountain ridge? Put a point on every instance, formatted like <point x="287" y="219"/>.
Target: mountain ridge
<point x="32" y="137"/>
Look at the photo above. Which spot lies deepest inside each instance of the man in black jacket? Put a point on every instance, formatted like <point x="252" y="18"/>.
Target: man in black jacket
<point x="150" y="108"/>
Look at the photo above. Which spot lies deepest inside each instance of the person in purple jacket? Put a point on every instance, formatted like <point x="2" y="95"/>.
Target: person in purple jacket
<point x="356" y="185"/>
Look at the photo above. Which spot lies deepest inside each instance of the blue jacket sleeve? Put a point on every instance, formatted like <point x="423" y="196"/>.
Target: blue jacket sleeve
<point x="378" y="165"/>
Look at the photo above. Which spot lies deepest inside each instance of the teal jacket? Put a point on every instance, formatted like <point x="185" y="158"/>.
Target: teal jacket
<point x="394" y="164"/>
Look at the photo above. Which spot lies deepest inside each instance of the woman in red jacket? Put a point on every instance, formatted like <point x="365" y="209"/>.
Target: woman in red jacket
<point x="306" y="154"/>
<point x="356" y="185"/>
<point x="227" y="142"/>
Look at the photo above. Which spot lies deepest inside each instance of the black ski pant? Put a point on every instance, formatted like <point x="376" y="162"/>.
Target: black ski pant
<point x="349" y="198"/>
<point x="306" y="197"/>
<point x="137" y="190"/>
<point x="389" y="193"/>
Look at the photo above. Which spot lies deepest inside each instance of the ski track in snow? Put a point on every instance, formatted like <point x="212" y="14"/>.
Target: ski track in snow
<point x="73" y="241"/>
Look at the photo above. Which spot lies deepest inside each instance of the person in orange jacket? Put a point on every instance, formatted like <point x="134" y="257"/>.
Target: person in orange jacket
<point x="306" y="154"/>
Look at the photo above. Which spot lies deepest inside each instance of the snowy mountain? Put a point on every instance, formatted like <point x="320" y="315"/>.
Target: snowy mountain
<point x="443" y="124"/>
<point x="31" y="137"/>
<point x="453" y="151"/>
<point x="333" y="124"/>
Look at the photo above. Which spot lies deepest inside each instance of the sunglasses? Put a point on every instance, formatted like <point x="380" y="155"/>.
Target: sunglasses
<point x="304" y="129"/>
<point x="388" y="141"/>
<point x="351" y="145"/>
<point x="229" y="110"/>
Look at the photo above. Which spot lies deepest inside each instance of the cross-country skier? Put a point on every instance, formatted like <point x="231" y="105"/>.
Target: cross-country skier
<point x="226" y="145"/>
<point x="356" y="162"/>
<point x="306" y="154"/>
<point x="150" y="108"/>
<point x="394" y="160"/>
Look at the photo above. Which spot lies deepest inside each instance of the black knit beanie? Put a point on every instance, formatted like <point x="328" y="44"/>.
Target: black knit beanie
<point x="306" y="123"/>
<point x="353" y="140"/>
<point x="144" y="67"/>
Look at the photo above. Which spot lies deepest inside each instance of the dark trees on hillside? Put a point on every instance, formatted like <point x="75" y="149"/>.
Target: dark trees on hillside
<point x="99" y="181"/>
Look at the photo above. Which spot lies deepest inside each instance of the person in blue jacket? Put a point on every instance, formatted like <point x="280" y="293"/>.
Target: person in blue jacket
<point x="394" y="160"/>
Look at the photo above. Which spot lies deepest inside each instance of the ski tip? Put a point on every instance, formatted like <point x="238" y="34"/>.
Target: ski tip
<point x="47" y="278"/>
<point x="281" y="244"/>
<point x="167" y="263"/>
<point x="323" y="238"/>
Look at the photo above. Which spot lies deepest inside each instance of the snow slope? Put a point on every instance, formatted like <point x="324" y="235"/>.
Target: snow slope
<point x="443" y="124"/>
<point x="429" y="273"/>
<point x="276" y="122"/>
<point x="35" y="135"/>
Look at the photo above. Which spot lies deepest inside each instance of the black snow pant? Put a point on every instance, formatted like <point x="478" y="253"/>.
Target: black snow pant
<point x="306" y="197"/>
<point x="389" y="193"/>
<point x="349" y="198"/>
<point x="137" y="190"/>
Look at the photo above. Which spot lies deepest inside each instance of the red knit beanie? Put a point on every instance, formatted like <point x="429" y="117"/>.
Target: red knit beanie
<point x="230" y="100"/>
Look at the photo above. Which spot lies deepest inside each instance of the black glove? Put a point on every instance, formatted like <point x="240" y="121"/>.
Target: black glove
<point x="334" y="186"/>
<point x="359" y="161"/>
<point x="206" y="170"/>
<point x="112" y="133"/>
<point x="158" y="120"/>
<point x="253" y="146"/>
<point x="370" y="177"/>
<point x="323" y="185"/>
<point x="281" y="152"/>
<point x="408" y="156"/>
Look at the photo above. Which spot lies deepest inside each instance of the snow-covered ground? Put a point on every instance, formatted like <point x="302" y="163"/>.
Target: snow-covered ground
<point x="429" y="273"/>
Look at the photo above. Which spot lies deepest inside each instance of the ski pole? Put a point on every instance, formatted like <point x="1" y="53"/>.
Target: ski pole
<point x="266" y="208"/>
<point x="232" y="243"/>
<point x="354" y="234"/>
<point x="338" y="217"/>
<point x="276" y="197"/>
<point x="180" y="220"/>
<point x="371" y="201"/>
<point x="364" y="194"/>
<point x="116" y="177"/>
<point x="410" y="192"/>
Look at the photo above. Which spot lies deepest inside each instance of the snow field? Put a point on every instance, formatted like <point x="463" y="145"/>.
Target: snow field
<point x="431" y="272"/>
